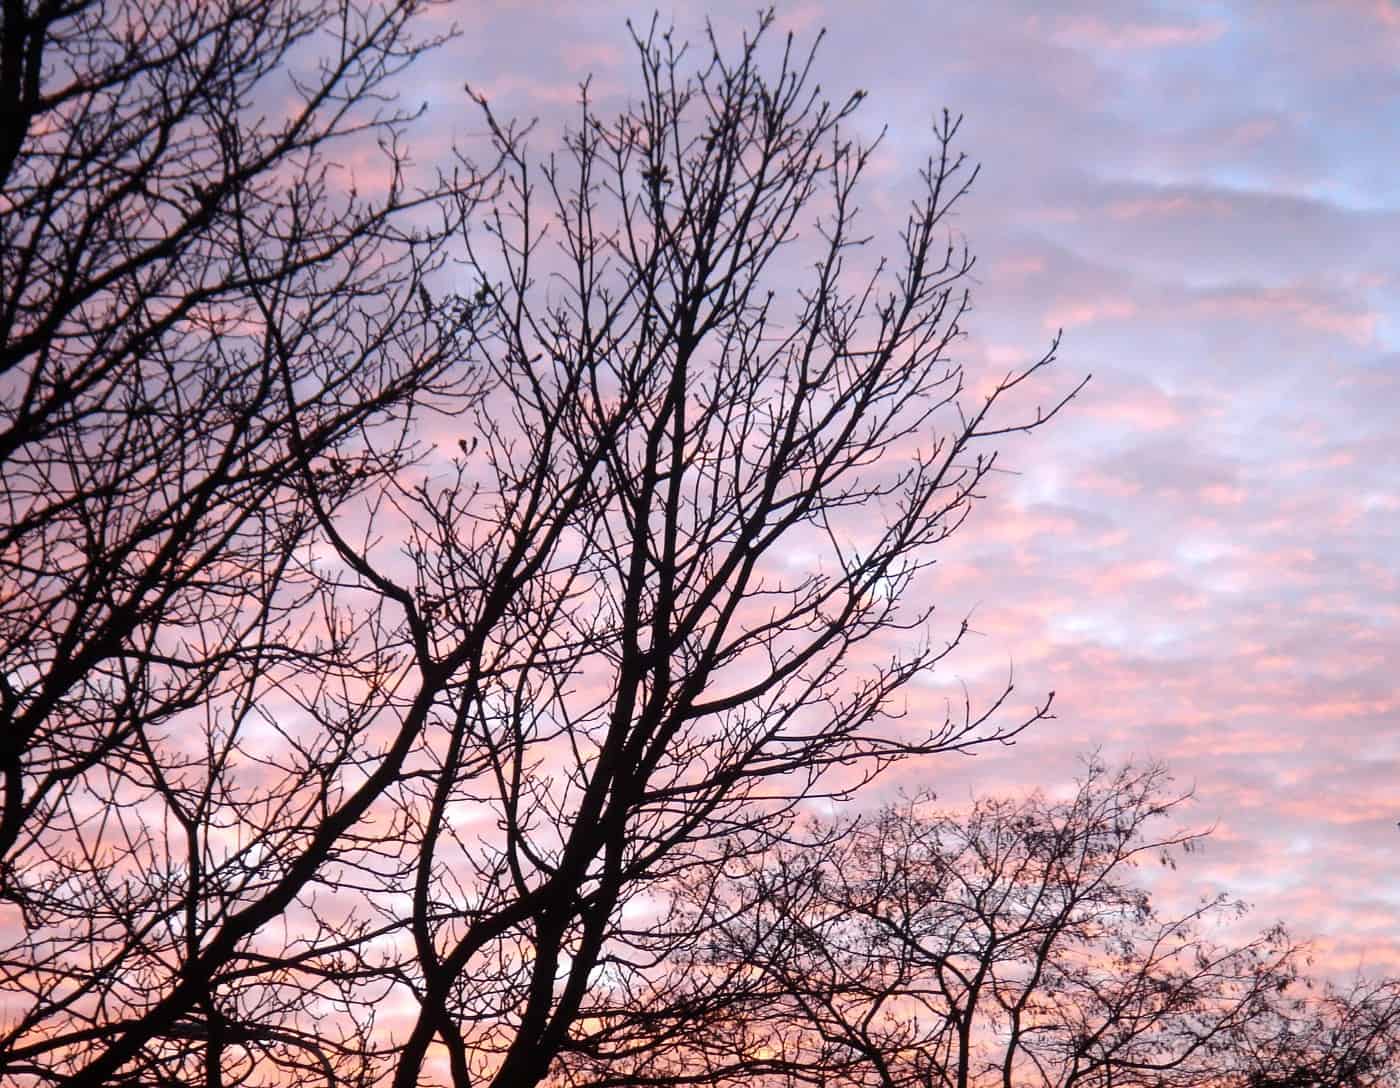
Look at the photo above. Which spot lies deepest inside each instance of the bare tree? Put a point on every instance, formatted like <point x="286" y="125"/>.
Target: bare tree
<point x="662" y="688"/>
<point x="304" y="734"/>
<point x="201" y="321"/>
<point x="1012" y="943"/>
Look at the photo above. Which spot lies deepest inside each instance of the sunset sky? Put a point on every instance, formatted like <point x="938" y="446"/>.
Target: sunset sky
<point x="1202" y="556"/>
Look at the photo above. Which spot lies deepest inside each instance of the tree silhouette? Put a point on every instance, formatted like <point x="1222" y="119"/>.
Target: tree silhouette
<point x="1340" y="1038"/>
<point x="1013" y="943"/>
<point x="335" y="754"/>
<point x="201" y="324"/>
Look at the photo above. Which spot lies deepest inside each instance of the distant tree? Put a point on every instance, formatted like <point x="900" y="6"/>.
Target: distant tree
<point x="1339" y="1038"/>
<point x="331" y="756"/>
<point x="1014" y="943"/>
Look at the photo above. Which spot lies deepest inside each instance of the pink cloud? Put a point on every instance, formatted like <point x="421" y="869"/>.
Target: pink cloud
<point x="1094" y="32"/>
<point x="1088" y="313"/>
<point x="1385" y="12"/>
<point x="1170" y="205"/>
<point x="1306" y="308"/>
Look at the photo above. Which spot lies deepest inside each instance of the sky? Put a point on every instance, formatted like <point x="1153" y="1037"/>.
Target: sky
<point x="1201" y="557"/>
